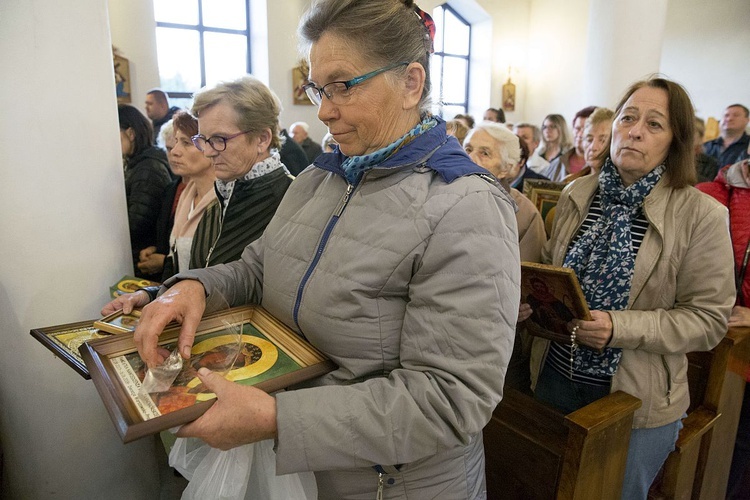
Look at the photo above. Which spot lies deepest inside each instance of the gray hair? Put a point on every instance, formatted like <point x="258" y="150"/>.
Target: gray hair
<point x="257" y="107"/>
<point x="304" y="126"/>
<point x="508" y="143"/>
<point x="165" y="132"/>
<point x="534" y="129"/>
<point x="382" y="31"/>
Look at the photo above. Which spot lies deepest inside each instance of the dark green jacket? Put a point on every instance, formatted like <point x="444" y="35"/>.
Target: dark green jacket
<point x="218" y="239"/>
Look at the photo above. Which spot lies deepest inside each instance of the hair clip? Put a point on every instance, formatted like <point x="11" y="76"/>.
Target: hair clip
<point x="429" y="26"/>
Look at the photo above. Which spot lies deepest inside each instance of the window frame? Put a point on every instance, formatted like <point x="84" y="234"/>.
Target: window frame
<point x="202" y="29"/>
<point x="442" y="55"/>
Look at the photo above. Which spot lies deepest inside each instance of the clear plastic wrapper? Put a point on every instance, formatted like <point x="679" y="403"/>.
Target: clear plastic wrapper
<point x="219" y="358"/>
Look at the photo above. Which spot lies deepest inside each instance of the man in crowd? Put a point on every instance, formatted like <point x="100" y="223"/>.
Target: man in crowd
<point x="300" y="135"/>
<point x="158" y="110"/>
<point x="531" y="136"/>
<point x="731" y="146"/>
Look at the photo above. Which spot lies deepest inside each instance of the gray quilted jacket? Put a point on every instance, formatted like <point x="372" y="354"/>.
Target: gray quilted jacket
<point x="410" y="283"/>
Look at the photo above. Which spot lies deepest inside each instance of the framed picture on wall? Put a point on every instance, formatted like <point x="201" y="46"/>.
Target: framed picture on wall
<point x="122" y="79"/>
<point x="299" y="79"/>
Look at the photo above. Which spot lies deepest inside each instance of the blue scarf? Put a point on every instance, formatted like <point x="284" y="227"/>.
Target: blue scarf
<point x="355" y="166"/>
<point x="604" y="260"/>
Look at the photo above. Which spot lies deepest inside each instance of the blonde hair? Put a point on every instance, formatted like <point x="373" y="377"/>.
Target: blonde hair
<point x="256" y="105"/>
<point x="457" y="129"/>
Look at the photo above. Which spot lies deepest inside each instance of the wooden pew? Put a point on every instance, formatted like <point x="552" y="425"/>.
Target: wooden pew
<point x="694" y="470"/>
<point x="535" y="452"/>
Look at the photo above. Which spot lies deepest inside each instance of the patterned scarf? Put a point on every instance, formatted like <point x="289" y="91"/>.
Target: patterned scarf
<point x="604" y="260"/>
<point x="355" y="166"/>
<point x="261" y="168"/>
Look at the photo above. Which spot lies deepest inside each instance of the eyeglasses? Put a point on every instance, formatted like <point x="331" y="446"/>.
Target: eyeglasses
<point x="217" y="142"/>
<point x="338" y="92"/>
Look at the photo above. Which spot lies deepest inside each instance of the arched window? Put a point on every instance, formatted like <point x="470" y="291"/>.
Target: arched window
<point x="450" y="62"/>
<point x="217" y="30"/>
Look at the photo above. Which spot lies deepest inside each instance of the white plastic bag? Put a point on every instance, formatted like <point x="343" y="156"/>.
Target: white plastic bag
<point x="247" y="472"/>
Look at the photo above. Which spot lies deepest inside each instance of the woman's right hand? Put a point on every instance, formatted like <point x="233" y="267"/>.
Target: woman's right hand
<point x="184" y="302"/>
<point x="740" y="316"/>
<point x="127" y="303"/>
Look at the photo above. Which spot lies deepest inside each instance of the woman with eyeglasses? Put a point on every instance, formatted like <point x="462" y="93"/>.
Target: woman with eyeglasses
<point x="238" y="123"/>
<point x="396" y="256"/>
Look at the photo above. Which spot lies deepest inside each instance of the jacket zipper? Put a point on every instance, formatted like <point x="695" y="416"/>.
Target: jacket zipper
<point x="669" y="380"/>
<point x="321" y="246"/>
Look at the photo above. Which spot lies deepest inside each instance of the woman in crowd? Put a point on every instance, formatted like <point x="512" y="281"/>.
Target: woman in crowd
<point x="251" y="179"/>
<point x="496" y="148"/>
<point x="198" y="173"/>
<point x="640" y="257"/>
<point x="396" y="256"/>
<point x="492" y="146"/>
<point x="597" y="134"/>
<point x="572" y="160"/>
<point x="732" y="189"/>
<point x="555" y="137"/>
<point x="146" y="176"/>
<point x="457" y="129"/>
<point x="151" y="259"/>
<point x="241" y="120"/>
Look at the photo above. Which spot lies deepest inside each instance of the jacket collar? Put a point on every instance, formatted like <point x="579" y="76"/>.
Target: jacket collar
<point x="433" y="149"/>
<point x="582" y="191"/>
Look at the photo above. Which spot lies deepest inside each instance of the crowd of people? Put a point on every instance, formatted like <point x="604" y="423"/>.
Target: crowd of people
<point x="394" y="247"/>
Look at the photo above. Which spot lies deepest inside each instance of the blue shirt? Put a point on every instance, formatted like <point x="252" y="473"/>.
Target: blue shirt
<point x="737" y="151"/>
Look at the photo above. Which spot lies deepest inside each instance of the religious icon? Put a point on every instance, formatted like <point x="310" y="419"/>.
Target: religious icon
<point x="509" y="96"/>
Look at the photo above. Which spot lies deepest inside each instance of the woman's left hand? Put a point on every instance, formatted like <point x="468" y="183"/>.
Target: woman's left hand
<point x="240" y="415"/>
<point x="595" y="333"/>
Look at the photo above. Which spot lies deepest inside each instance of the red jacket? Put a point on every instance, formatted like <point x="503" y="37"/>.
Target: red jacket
<point x="737" y="200"/>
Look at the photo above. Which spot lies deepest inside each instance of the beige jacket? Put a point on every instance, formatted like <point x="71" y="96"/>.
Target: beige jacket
<point x="681" y="296"/>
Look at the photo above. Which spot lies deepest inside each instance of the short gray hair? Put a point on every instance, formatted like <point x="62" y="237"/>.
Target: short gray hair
<point x="304" y="126"/>
<point x="257" y="107"/>
<point x="508" y="143"/>
<point x="383" y="31"/>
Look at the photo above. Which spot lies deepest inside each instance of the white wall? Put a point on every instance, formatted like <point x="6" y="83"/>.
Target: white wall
<point x="558" y="35"/>
<point x="132" y="28"/>
<point x="706" y="47"/>
<point x="65" y="241"/>
<point x="618" y="58"/>
<point x="282" y="47"/>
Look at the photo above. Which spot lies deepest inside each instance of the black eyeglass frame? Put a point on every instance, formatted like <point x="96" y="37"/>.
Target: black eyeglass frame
<point x="200" y="140"/>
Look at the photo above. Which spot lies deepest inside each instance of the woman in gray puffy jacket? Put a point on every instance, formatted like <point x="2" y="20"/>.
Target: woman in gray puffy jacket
<point x="396" y="256"/>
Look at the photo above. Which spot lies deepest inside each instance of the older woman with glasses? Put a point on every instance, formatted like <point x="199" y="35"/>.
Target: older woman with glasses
<point x="238" y="141"/>
<point x="396" y="256"/>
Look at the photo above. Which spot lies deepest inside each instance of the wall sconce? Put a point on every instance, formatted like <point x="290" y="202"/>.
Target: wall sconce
<point x="509" y="93"/>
